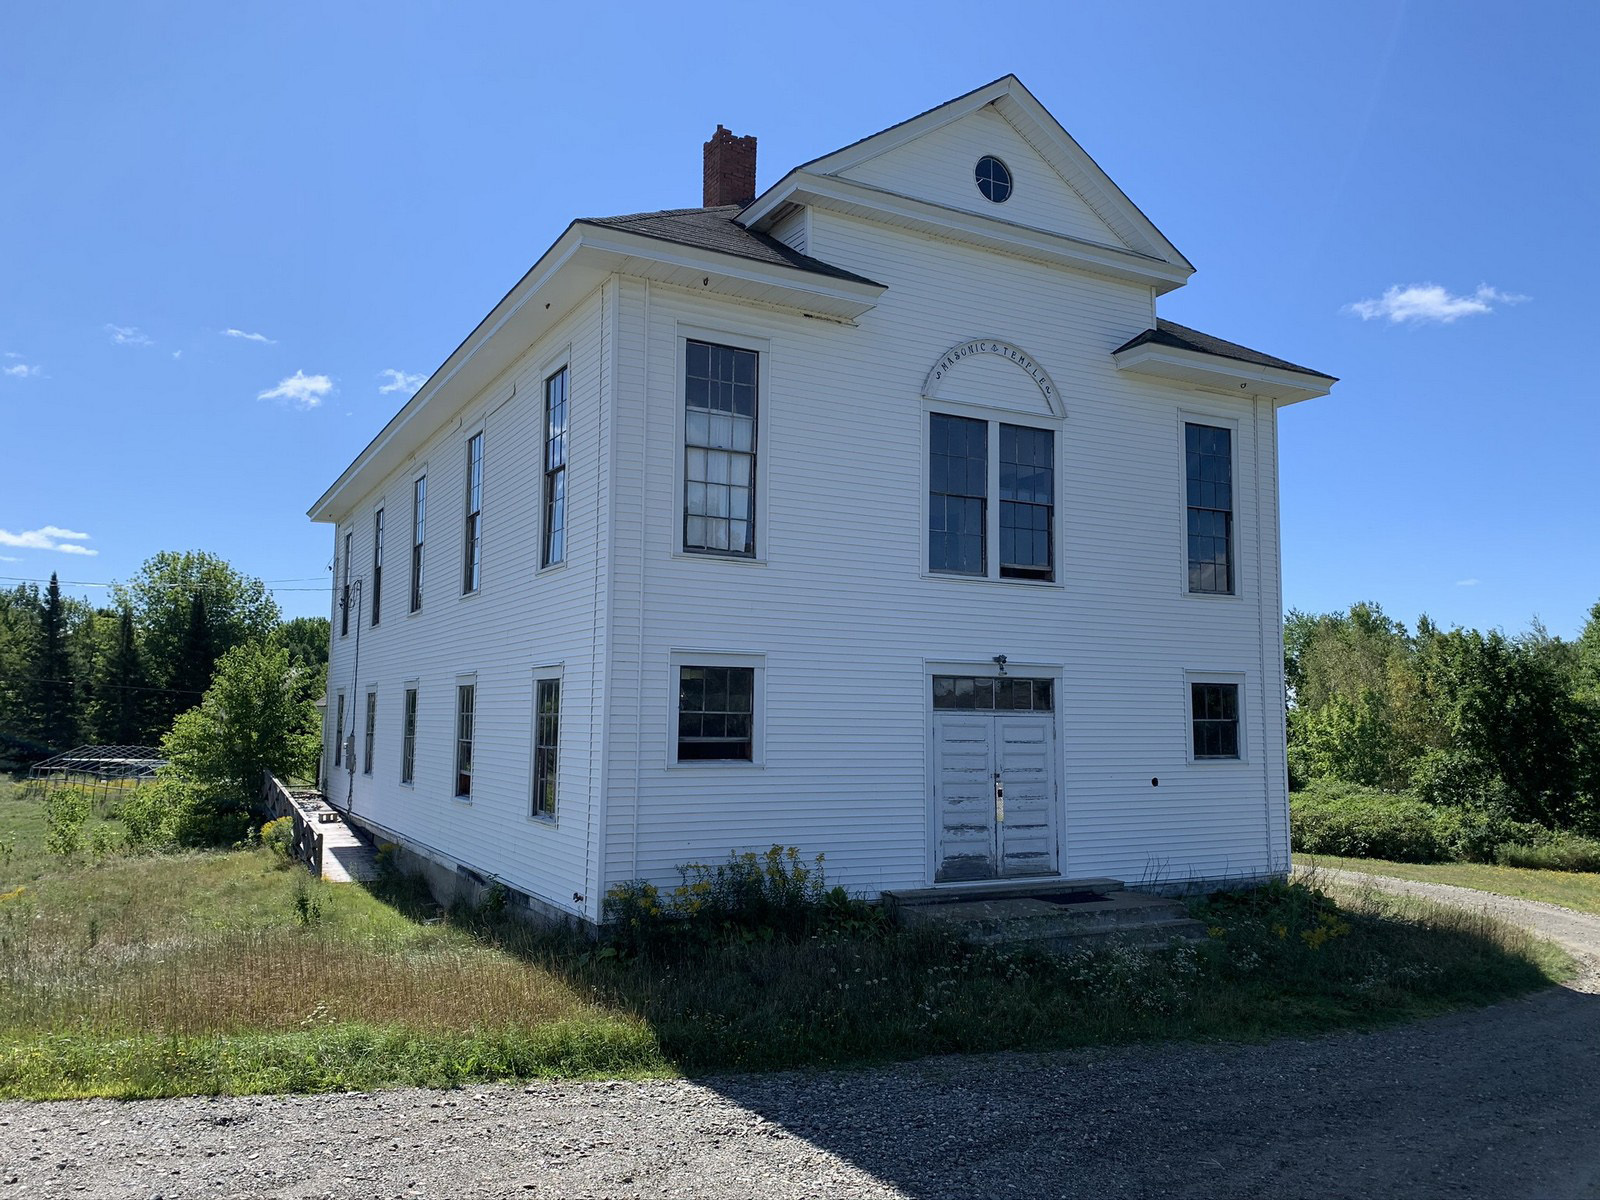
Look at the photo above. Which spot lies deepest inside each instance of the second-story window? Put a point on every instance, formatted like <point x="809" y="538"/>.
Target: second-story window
<point x="958" y="489"/>
<point x="344" y="590"/>
<point x="719" y="473"/>
<point x="419" y="504"/>
<point x="473" y="559"/>
<point x="377" y="565"/>
<point x="1027" y="502"/>
<point x="555" y="470"/>
<point x="1208" y="464"/>
<point x="372" y="730"/>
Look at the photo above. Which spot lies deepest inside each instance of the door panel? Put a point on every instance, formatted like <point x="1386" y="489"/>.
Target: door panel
<point x="1025" y="751"/>
<point x="964" y="795"/>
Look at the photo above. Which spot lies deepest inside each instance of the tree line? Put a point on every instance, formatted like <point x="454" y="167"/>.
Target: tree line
<point x="1503" y="724"/>
<point x="72" y="672"/>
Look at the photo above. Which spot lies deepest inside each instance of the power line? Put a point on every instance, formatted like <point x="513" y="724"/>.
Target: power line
<point x="191" y="587"/>
<point x="121" y="687"/>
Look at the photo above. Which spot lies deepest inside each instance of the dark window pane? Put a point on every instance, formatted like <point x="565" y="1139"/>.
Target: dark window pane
<point x="958" y="490"/>
<point x="715" y="713"/>
<point x="1208" y="461"/>
<point x="1215" y="711"/>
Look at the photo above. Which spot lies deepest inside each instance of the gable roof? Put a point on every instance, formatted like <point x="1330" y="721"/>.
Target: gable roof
<point x="1181" y="337"/>
<point x="716" y="229"/>
<point x="1016" y="104"/>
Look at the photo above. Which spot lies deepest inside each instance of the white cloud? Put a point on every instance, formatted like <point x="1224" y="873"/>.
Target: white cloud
<point x="1421" y="302"/>
<point x="19" y="370"/>
<point x="1466" y="583"/>
<point x="128" y="335"/>
<point x="9" y="558"/>
<point x="177" y="354"/>
<point x="302" y="390"/>
<point x="400" y="381"/>
<point x="250" y="337"/>
<point x="49" y="537"/>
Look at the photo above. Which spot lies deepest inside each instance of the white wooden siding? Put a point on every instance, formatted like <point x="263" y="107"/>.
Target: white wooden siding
<point x="792" y="229"/>
<point x="520" y="618"/>
<point x="846" y="617"/>
<point x="938" y="167"/>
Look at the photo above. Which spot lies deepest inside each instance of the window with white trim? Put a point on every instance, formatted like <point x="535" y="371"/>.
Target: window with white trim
<point x="546" y="744"/>
<point x="1208" y="469"/>
<point x="419" y="508"/>
<point x="338" y="732"/>
<point x="377" y="564"/>
<point x="1214" y="719"/>
<point x="472" y="559"/>
<point x="344" y="590"/>
<point x="970" y="459"/>
<point x="372" y="730"/>
<point x="408" y="737"/>
<point x="554" y="549"/>
<point x="466" y="715"/>
<point x="719" y="470"/>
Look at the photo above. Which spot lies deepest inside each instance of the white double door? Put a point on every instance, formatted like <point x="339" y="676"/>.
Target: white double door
<point x="995" y="805"/>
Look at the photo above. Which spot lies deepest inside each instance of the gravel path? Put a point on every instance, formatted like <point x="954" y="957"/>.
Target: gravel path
<point x="1501" y="1102"/>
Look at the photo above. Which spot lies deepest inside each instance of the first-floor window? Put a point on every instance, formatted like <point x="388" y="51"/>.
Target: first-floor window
<point x="372" y="728"/>
<point x="466" y="702"/>
<point x="716" y="713"/>
<point x="1214" y="711"/>
<point x="408" y="738"/>
<point x="546" y="742"/>
<point x="1208" y="466"/>
<point x="338" y="732"/>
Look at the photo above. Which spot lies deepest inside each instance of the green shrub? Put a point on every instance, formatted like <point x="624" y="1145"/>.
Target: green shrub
<point x="1356" y="822"/>
<point x="1556" y="851"/>
<point x="66" y="808"/>
<point x="278" y="836"/>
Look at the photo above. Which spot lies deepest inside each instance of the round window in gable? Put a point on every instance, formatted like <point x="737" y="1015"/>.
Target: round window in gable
<point x="994" y="179"/>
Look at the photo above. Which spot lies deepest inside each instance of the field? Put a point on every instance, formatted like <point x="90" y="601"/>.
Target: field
<point x="231" y="972"/>
<point x="1571" y="889"/>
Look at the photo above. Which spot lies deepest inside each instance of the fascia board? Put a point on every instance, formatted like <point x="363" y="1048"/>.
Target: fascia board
<point x="1227" y="374"/>
<point x="909" y="131"/>
<point x="958" y="225"/>
<point x="537" y="276"/>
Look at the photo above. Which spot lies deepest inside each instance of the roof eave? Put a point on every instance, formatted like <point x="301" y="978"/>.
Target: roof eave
<point x="1216" y="373"/>
<point x="582" y="257"/>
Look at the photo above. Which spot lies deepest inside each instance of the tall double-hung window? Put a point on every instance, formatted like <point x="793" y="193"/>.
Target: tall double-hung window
<point x="408" y="737"/>
<point x="719" y="469"/>
<point x="1208" y="466"/>
<point x="546" y="744"/>
<point x="555" y="470"/>
<point x="372" y="733"/>
<point x="419" y="507"/>
<point x="472" y="561"/>
<point x="377" y="565"/>
<point x="338" y="732"/>
<point x="344" y="590"/>
<point x="970" y="460"/>
<point x="466" y="715"/>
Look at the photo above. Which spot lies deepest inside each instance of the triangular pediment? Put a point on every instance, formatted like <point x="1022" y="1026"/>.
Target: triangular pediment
<point x="1056" y="190"/>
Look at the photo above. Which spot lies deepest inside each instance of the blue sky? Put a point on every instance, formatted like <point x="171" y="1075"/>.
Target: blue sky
<point x="233" y="237"/>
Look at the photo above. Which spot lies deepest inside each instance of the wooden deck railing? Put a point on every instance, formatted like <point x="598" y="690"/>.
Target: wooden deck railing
<point x="278" y="800"/>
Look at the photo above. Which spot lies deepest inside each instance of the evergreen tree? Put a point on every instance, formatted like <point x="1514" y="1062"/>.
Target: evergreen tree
<point x="51" y="676"/>
<point x="196" y="658"/>
<point x="119" y="714"/>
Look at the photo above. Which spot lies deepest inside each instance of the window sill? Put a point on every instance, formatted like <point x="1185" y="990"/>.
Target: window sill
<point x="465" y="801"/>
<point x="952" y="577"/>
<point x="738" y="560"/>
<point x="412" y="785"/>
<point x="1211" y="597"/>
<point x="716" y="764"/>
<point x="472" y="595"/>
<point x="1219" y="762"/>
<point x="536" y="819"/>
<point x="552" y="568"/>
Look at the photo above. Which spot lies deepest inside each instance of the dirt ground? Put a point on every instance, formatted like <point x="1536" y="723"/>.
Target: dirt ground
<point x="1501" y="1102"/>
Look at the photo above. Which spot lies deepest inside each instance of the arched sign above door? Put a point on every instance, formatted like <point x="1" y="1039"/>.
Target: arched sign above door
<point x="1002" y="349"/>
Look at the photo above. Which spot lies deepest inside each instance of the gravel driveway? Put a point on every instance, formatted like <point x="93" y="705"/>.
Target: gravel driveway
<point x="1501" y="1102"/>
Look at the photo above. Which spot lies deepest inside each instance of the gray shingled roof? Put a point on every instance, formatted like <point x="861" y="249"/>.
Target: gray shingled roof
<point x="715" y="229"/>
<point x="1181" y="337"/>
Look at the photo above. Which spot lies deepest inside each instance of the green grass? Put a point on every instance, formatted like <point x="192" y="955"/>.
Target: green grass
<point x="1570" y="889"/>
<point x="227" y="972"/>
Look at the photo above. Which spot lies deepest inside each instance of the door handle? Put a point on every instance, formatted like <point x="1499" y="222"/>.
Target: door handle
<point x="999" y="799"/>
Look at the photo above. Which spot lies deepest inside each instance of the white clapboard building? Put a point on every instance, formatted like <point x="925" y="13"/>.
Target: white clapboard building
<point x="877" y="514"/>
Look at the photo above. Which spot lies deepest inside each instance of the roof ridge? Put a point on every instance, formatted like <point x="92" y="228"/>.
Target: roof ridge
<point x="663" y="212"/>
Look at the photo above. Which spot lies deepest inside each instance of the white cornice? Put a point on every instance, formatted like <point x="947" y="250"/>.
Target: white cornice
<point x="1216" y="373"/>
<point x="566" y="273"/>
<point x="863" y="200"/>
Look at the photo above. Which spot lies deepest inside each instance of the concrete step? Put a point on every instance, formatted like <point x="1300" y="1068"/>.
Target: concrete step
<point x="1001" y="889"/>
<point x="1056" y="920"/>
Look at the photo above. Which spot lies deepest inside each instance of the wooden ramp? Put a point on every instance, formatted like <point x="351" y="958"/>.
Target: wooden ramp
<point x="322" y="840"/>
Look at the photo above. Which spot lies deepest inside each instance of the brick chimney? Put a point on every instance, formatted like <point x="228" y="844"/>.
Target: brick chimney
<point x="730" y="169"/>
